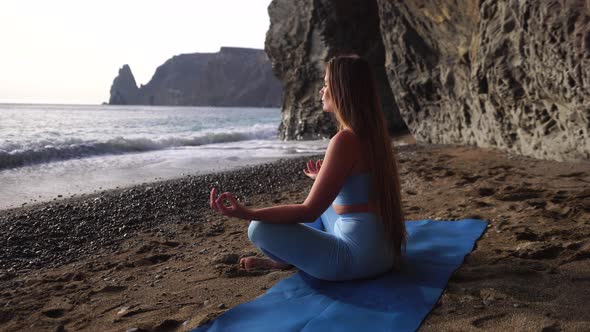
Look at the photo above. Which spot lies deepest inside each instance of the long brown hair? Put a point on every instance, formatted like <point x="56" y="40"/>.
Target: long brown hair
<point x="353" y="90"/>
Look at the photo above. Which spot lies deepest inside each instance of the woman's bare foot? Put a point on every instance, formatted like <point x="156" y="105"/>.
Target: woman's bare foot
<point x="261" y="263"/>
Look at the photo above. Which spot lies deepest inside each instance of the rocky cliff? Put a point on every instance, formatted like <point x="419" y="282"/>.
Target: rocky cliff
<point x="303" y="35"/>
<point x="509" y="74"/>
<point x="231" y="77"/>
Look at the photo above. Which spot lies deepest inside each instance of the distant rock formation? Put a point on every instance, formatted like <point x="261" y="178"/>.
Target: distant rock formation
<point x="511" y="74"/>
<point x="124" y="90"/>
<point x="231" y="77"/>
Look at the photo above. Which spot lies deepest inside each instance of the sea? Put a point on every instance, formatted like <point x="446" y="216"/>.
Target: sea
<point x="50" y="152"/>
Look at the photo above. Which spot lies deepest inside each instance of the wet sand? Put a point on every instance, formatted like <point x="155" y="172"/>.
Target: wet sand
<point x="154" y="257"/>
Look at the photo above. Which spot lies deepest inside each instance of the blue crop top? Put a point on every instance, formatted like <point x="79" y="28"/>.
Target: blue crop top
<point x="355" y="190"/>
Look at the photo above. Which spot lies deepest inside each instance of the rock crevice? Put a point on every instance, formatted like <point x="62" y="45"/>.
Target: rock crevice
<point x="302" y="37"/>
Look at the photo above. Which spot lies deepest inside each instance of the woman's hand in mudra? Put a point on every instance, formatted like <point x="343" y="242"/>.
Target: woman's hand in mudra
<point x="313" y="168"/>
<point x="234" y="209"/>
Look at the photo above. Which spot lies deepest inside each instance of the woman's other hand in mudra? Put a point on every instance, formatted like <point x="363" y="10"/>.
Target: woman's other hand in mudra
<point x="234" y="209"/>
<point x="313" y="168"/>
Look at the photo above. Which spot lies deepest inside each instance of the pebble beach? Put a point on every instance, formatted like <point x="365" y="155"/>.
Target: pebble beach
<point x="155" y="258"/>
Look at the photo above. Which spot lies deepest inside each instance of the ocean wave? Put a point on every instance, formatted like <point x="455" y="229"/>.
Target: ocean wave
<point x="46" y="152"/>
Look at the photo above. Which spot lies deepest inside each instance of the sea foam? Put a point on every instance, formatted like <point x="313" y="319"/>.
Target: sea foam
<point x="43" y="151"/>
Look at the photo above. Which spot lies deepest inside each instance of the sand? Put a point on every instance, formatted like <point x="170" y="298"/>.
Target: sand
<point x="155" y="258"/>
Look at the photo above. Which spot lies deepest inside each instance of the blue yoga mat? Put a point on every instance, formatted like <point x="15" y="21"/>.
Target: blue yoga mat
<point x="395" y="301"/>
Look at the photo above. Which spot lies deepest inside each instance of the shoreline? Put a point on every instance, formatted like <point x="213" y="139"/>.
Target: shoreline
<point x="128" y="179"/>
<point x="177" y="265"/>
<point x="138" y="207"/>
<point x="41" y="183"/>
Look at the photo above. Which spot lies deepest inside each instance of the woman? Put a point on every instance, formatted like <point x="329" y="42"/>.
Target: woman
<point x="351" y="223"/>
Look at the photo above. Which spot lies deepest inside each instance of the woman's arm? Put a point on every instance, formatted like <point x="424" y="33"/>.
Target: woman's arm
<point x="339" y="160"/>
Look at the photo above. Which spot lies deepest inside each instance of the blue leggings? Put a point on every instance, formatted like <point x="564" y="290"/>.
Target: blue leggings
<point x="333" y="247"/>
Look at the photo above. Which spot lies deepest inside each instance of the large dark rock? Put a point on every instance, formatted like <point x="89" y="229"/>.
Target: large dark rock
<point x="231" y="77"/>
<point x="124" y="89"/>
<point x="508" y="74"/>
<point x="511" y="74"/>
<point x="303" y="36"/>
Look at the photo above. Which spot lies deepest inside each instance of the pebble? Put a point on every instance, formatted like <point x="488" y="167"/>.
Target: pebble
<point x="227" y="259"/>
<point x="221" y="306"/>
<point x="123" y="310"/>
<point x="104" y="219"/>
<point x="186" y="269"/>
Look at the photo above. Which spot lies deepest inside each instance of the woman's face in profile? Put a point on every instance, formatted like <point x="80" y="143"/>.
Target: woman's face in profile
<point x="327" y="102"/>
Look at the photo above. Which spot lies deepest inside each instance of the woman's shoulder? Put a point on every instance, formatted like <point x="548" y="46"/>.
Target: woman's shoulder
<point x="346" y="141"/>
<point x="350" y="145"/>
<point x="346" y="136"/>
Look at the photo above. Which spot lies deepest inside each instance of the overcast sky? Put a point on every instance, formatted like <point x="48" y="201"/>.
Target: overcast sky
<point x="69" y="51"/>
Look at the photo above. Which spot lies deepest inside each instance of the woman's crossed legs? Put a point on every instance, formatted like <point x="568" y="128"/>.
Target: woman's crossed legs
<point x="311" y="247"/>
